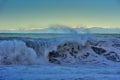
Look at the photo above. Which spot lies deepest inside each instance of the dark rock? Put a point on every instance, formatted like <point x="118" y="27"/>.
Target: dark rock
<point x="68" y="47"/>
<point x="71" y="53"/>
<point x="53" y="54"/>
<point x="72" y="48"/>
<point x="65" y="44"/>
<point x="63" y="56"/>
<point x="58" y="47"/>
<point x="112" y="56"/>
<point x="75" y="52"/>
<point x="97" y="50"/>
<point x="86" y="55"/>
<point x="52" y="57"/>
<point x="54" y="61"/>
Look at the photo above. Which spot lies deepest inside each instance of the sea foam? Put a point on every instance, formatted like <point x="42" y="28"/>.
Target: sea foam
<point x="84" y="48"/>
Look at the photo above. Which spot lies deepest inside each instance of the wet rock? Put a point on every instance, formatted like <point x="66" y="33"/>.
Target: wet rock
<point x="65" y="44"/>
<point x="54" y="61"/>
<point x="52" y="57"/>
<point x="69" y="47"/>
<point x="113" y="56"/>
<point x="97" y="50"/>
<point x="78" y="47"/>
<point x="71" y="53"/>
<point x="53" y="54"/>
<point x="85" y="55"/>
<point x="65" y="51"/>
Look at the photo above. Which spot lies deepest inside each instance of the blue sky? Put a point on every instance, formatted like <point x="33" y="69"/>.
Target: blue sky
<point x="25" y="14"/>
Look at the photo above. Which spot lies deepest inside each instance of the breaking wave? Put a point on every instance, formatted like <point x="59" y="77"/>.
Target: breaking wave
<point x="74" y="50"/>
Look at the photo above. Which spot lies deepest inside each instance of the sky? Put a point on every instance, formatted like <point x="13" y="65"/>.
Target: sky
<point x="38" y="14"/>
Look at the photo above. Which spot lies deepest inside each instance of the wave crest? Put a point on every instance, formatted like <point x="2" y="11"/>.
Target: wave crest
<point x="16" y="52"/>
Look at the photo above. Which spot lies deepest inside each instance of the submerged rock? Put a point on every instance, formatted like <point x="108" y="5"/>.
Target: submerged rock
<point x="52" y="57"/>
<point x="113" y="56"/>
<point x="54" y="61"/>
<point x="97" y="50"/>
<point x="53" y="54"/>
<point x="86" y="55"/>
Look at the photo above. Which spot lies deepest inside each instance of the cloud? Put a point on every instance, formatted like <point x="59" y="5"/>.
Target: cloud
<point x="33" y="28"/>
<point x="61" y="29"/>
<point x="88" y="26"/>
<point x="82" y="26"/>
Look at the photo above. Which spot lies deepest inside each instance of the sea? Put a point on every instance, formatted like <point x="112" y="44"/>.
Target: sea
<point x="36" y="56"/>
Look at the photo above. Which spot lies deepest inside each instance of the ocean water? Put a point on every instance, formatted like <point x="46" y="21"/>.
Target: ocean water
<point x="59" y="56"/>
<point x="34" y="35"/>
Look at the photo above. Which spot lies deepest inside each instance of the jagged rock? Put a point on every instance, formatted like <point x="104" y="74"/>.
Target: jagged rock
<point x="71" y="47"/>
<point x="52" y="57"/>
<point x="53" y="54"/>
<point x="112" y="56"/>
<point x="54" y="61"/>
<point x="86" y="55"/>
<point x="97" y="50"/>
<point x="64" y="51"/>
<point x="72" y="51"/>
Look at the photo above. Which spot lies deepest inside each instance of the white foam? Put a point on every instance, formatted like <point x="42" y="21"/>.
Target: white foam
<point x="16" y="52"/>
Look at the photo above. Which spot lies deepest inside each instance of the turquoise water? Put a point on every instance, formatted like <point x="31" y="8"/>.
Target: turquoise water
<point x="39" y="35"/>
<point x="34" y="35"/>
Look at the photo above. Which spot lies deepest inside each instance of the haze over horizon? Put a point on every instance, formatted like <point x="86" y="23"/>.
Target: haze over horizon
<point x="40" y="14"/>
